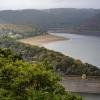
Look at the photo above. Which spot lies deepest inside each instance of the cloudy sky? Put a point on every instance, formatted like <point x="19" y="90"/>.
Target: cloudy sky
<point x="43" y="4"/>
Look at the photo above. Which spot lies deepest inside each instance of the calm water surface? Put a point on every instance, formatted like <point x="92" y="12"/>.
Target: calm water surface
<point x="86" y="48"/>
<point x="87" y="96"/>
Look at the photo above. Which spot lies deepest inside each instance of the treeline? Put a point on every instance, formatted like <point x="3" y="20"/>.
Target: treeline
<point x="62" y="64"/>
<point x="20" y="80"/>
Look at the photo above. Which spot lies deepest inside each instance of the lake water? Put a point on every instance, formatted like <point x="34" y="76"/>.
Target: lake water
<point x="87" y="96"/>
<point x="85" y="48"/>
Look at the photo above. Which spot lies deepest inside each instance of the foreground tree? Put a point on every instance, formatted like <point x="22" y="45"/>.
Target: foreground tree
<point x="20" y="80"/>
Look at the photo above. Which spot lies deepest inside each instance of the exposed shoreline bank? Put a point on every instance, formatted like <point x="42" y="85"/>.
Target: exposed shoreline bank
<point x="40" y="39"/>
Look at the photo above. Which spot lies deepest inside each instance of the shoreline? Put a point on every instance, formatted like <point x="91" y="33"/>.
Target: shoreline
<point x="85" y="33"/>
<point x="41" y="39"/>
<point x="71" y="83"/>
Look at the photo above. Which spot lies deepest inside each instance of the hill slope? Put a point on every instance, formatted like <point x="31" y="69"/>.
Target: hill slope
<point x="19" y="31"/>
<point x="91" y="24"/>
<point x="49" y="18"/>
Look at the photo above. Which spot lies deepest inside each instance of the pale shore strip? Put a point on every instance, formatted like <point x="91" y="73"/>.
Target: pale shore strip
<point x="40" y="39"/>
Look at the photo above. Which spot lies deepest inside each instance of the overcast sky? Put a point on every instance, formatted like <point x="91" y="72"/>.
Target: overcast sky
<point x="44" y="4"/>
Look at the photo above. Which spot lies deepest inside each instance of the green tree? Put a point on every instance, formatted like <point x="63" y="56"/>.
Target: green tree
<point x="20" y="80"/>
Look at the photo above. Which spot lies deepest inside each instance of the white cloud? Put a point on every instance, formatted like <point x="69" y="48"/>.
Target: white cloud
<point x="42" y="4"/>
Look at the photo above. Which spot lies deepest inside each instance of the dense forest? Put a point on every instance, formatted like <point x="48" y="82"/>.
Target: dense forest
<point x="62" y="64"/>
<point x="20" y="80"/>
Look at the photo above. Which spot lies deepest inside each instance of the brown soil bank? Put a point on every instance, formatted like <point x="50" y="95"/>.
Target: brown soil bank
<point x="40" y="39"/>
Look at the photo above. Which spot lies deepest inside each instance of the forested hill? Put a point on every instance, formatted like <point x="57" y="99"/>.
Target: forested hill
<point x="92" y="24"/>
<point x="49" y="18"/>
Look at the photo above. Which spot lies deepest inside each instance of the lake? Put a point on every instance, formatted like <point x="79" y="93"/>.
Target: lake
<point x="85" y="48"/>
<point x="90" y="96"/>
<point x="89" y="89"/>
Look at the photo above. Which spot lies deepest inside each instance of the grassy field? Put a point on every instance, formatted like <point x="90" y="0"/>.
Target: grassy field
<point x="40" y="39"/>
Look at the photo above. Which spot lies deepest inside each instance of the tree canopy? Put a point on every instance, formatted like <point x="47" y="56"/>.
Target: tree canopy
<point x="20" y="80"/>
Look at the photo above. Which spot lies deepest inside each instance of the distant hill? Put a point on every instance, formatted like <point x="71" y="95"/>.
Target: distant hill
<point x="79" y="21"/>
<point x="92" y="24"/>
<point x="17" y="28"/>
<point x="49" y="18"/>
<point x="19" y="31"/>
<point x="70" y="16"/>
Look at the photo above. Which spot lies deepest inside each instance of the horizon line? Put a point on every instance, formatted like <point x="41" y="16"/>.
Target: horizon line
<point x="49" y="9"/>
